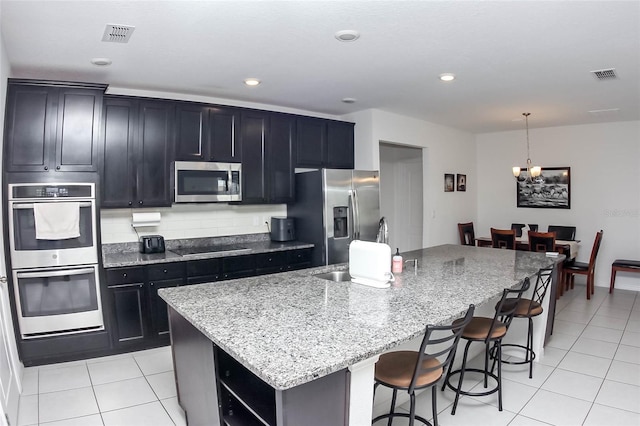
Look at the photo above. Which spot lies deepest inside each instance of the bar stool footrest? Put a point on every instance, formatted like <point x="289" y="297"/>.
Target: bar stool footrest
<point x="513" y="345"/>
<point x="406" y="415"/>
<point x="469" y="393"/>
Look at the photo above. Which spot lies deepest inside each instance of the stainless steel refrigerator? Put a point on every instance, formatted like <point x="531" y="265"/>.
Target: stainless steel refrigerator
<point x="334" y="207"/>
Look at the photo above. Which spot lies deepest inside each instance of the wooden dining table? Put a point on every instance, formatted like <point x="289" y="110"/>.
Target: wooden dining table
<point x="568" y="248"/>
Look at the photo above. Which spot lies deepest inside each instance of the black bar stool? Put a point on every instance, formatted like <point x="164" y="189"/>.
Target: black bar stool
<point x="490" y="331"/>
<point x="530" y="308"/>
<point x="411" y="370"/>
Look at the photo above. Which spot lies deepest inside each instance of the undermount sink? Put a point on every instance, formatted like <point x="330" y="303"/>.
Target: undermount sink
<point x="337" y="276"/>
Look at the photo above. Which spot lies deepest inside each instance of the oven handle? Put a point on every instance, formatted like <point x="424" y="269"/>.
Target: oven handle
<point x="30" y="205"/>
<point x="45" y="274"/>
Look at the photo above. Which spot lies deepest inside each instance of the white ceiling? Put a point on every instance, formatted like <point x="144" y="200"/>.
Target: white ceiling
<point x="510" y="57"/>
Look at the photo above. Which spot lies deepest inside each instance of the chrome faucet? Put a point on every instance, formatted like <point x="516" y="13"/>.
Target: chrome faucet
<point x="383" y="232"/>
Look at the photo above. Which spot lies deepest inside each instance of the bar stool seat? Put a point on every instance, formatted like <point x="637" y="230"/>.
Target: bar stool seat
<point x="623" y="265"/>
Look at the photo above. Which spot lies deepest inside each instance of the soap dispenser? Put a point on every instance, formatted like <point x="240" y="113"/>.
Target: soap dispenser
<point x="396" y="263"/>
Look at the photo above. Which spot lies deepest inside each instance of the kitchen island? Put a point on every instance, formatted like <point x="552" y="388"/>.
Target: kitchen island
<point x="306" y="346"/>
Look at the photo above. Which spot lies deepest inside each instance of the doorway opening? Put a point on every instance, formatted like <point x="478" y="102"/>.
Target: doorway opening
<point x="401" y="194"/>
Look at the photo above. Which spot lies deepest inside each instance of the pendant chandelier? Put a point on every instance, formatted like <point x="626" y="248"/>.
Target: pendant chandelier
<point x="534" y="173"/>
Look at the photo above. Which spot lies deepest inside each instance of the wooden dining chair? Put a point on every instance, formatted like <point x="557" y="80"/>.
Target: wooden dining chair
<point x="566" y="233"/>
<point x="518" y="228"/>
<point x="542" y="241"/>
<point x="503" y="238"/>
<point x="588" y="269"/>
<point x="467" y="236"/>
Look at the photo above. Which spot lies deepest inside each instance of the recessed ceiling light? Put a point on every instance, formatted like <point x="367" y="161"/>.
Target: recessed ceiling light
<point x="349" y="100"/>
<point x="347" y="35"/>
<point x="251" y="81"/>
<point x="447" y="77"/>
<point x="101" y="62"/>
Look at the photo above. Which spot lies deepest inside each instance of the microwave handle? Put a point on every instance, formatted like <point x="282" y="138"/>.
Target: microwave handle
<point x="29" y="206"/>
<point x="44" y="274"/>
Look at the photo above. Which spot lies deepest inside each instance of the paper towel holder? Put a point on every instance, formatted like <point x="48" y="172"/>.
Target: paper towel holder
<point x="139" y="220"/>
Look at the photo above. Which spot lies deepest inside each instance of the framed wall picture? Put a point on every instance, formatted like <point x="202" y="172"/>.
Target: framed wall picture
<point x="553" y="191"/>
<point x="449" y="182"/>
<point x="461" y="182"/>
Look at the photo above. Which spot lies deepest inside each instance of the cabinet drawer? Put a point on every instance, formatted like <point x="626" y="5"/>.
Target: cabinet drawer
<point x="125" y="275"/>
<point x="299" y="256"/>
<point x="273" y="259"/>
<point x="165" y="271"/>
<point x="203" y="267"/>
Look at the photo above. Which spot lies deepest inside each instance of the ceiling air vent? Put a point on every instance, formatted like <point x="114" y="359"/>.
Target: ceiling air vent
<point x="117" y="33"/>
<point x="607" y="74"/>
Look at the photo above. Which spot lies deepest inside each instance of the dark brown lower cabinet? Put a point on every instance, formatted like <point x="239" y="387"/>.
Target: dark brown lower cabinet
<point x="215" y="389"/>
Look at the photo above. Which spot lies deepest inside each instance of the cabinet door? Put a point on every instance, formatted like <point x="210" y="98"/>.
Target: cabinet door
<point x="118" y="174"/>
<point x="268" y="263"/>
<point x="159" y="317"/>
<point x="223" y="136"/>
<point x="153" y="153"/>
<point x="78" y="124"/>
<point x="339" y="145"/>
<point x="280" y="159"/>
<point x="299" y="259"/>
<point x="310" y="142"/>
<point x="30" y="127"/>
<point x="129" y="308"/>
<point x="191" y="123"/>
<point x="128" y="305"/>
<point x="203" y="271"/>
<point x="238" y="266"/>
<point x="254" y="135"/>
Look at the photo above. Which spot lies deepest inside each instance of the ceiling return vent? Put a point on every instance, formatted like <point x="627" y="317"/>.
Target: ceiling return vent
<point x="608" y="74"/>
<point x="114" y="33"/>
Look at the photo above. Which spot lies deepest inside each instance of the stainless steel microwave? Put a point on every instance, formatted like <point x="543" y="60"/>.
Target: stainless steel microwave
<point x="202" y="182"/>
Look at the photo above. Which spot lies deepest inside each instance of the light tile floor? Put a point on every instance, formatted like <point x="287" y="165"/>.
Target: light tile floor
<point x="589" y="375"/>
<point x="134" y="389"/>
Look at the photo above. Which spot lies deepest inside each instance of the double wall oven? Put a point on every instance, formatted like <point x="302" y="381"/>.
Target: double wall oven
<point x="55" y="278"/>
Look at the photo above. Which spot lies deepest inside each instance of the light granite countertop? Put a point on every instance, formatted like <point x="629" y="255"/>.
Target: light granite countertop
<point x="291" y="328"/>
<point x="126" y="254"/>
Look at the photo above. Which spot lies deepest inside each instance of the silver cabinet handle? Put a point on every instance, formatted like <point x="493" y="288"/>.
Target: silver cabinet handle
<point x="3" y="280"/>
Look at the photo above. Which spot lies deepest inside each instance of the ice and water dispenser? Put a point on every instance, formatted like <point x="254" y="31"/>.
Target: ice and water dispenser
<point x="340" y="222"/>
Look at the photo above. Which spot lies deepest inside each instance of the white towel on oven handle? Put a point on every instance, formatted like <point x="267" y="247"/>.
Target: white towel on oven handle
<point x="57" y="221"/>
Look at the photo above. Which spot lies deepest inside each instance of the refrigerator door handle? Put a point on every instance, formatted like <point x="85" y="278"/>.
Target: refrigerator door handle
<point x="351" y="218"/>
<point x="356" y="215"/>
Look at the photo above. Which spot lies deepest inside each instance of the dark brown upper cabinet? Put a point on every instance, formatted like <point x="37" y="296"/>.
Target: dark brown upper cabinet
<point x="52" y="126"/>
<point x="267" y="157"/>
<point x="138" y="150"/>
<point x="207" y="133"/>
<point x="324" y="143"/>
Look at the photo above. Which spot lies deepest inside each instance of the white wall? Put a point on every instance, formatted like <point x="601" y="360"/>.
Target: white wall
<point x="446" y="150"/>
<point x="605" y="187"/>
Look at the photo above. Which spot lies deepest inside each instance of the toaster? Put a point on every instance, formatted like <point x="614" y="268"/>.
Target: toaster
<point x="152" y="244"/>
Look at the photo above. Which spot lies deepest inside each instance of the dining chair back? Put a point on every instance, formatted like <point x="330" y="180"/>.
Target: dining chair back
<point x="518" y="228"/>
<point x="542" y="241"/>
<point x="566" y="233"/>
<point x="588" y="269"/>
<point x="467" y="236"/>
<point x="503" y="238"/>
